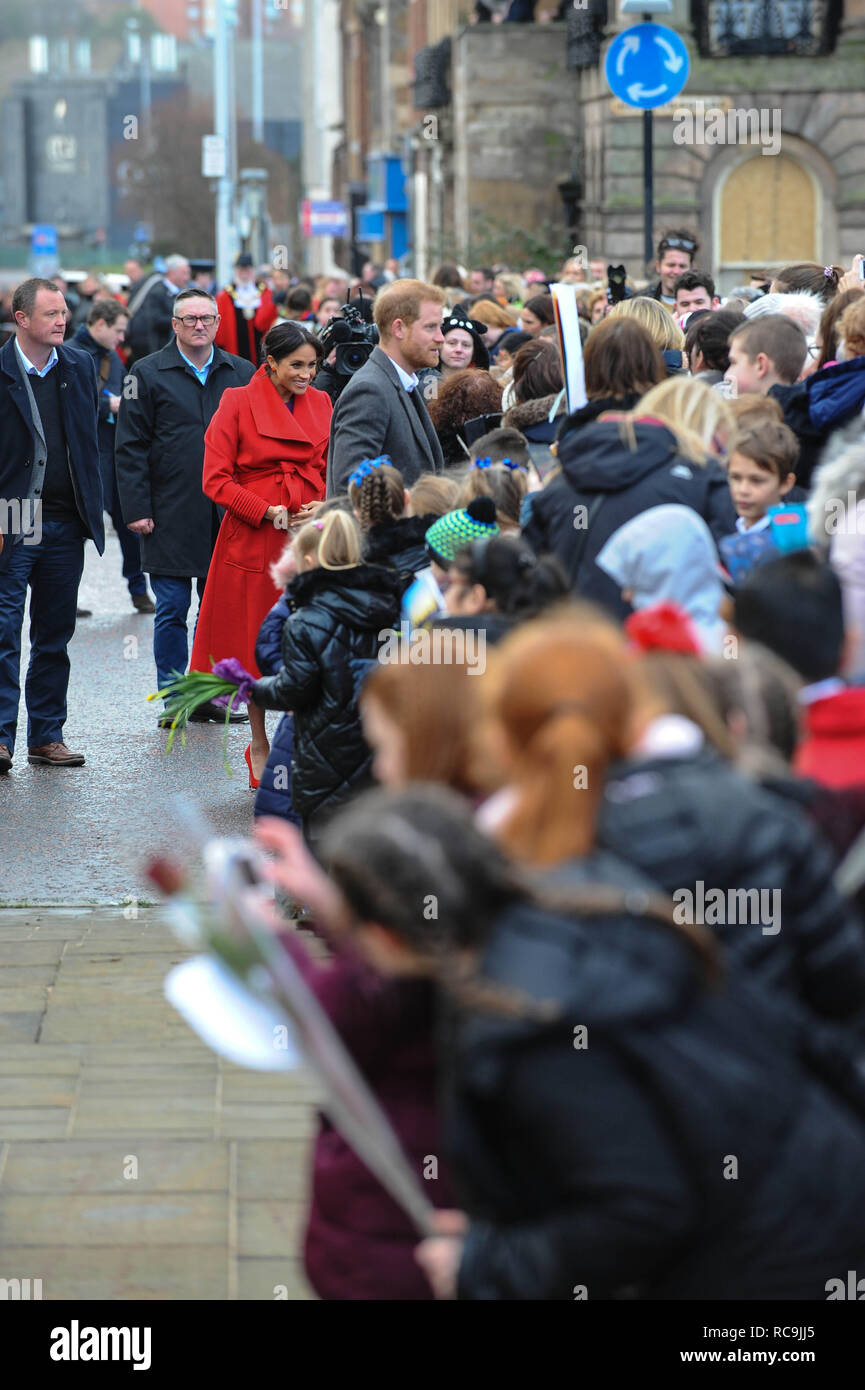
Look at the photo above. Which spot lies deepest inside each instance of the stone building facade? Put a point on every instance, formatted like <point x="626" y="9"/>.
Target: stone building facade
<point x="513" y="147"/>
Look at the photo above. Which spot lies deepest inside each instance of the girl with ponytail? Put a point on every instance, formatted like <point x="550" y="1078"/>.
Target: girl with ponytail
<point x="494" y="584"/>
<point x="341" y="609"/>
<point x="380" y="501"/>
<point x="601" y="1072"/>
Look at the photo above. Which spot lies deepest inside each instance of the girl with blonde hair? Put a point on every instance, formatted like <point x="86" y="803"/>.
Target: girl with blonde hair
<point x="665" y="332"/>
<point x="339" y="607"/>
<point x="701" y="419"/>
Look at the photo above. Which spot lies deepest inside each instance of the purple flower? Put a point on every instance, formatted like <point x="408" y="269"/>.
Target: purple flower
<point x="230" y="669"/>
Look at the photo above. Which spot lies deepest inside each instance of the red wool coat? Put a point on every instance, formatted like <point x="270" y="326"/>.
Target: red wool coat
<point x="257" y="454"/>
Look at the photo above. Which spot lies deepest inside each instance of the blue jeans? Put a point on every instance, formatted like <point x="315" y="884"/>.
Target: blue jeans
<point x="52" y="569"/>
<point x="170" y="639"/>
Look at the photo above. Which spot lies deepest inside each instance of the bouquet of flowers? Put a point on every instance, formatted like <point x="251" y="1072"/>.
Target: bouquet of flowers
<point x="248" y="1001"/>
<point x="227" y="684"/>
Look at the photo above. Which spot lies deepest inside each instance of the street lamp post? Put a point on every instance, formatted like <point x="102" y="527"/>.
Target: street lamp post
<point x="257" y="73"/>
<point x="222" y="128"/>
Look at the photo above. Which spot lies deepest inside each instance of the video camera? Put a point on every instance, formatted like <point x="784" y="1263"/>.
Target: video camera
<point x="353" y="338"/>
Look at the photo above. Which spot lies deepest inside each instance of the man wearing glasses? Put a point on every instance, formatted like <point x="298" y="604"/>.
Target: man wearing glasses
<point x="168" y="401"/>
<point x="676" y="252"/>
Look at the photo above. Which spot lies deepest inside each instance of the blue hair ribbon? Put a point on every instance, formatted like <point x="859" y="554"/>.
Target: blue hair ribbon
<point x="364" y="469"/>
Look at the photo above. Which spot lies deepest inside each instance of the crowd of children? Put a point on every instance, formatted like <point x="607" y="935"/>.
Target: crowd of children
<point x="625" y="762"/>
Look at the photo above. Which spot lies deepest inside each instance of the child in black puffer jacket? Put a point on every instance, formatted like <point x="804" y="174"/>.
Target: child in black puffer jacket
<point x="341" y="612"/>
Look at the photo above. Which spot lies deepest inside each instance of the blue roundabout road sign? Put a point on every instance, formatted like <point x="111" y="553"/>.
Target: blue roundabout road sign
<point x="647" y="65"/>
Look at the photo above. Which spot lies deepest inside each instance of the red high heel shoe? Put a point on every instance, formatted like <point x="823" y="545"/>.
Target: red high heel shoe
<point x="254" y="781"/>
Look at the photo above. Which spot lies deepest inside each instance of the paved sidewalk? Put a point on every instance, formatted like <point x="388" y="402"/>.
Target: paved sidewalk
<point x="134" y="1163"/>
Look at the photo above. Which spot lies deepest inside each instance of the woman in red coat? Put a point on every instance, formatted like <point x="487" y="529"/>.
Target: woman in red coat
<point x="265" y="458"/>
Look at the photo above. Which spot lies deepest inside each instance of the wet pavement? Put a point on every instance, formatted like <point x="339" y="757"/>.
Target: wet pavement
<point x="82" y="835"/>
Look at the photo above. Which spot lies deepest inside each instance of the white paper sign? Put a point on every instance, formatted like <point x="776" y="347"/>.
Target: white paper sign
<point x="571" y="344"/>
<point x="229" y="1018"/>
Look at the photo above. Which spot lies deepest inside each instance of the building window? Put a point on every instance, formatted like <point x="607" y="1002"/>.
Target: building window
<point x="765" y="28"/>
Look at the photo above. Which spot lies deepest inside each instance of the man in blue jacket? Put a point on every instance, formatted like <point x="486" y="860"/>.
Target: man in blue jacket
<point x="101" y="336"/>
<point x="50" y="503"/>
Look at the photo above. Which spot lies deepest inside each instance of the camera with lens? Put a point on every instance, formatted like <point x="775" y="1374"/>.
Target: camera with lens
<point x="353" y="338"/>
<point x="617" y="287"/>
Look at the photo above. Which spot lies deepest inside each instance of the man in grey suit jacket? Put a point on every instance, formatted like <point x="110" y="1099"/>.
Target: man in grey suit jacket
<point x="382" y="410"/>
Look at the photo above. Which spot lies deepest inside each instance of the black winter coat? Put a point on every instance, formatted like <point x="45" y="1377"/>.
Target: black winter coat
<point x="18" y="439"/>
<point x="328" y="646"/>
<point x="588" y="413"/>
<point x="399" y="543"/>
<point x="273" y="797"/>
<point x="596" y="463"/>
<point x="112" y="382"/>
<point x="159" y="456"/>
<point x="687" y="820"/>
<point x="610" y="1166"/>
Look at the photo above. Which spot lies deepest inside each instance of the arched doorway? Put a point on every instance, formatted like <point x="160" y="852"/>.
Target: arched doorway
<point x="767" y="215"/>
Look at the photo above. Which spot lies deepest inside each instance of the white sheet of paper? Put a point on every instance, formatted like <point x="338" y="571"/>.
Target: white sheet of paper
<point x="568" y="324"/>
<point x="229" y="1017"/>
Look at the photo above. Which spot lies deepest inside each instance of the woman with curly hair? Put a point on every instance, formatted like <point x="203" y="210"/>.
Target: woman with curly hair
<point x="464" y="396"/>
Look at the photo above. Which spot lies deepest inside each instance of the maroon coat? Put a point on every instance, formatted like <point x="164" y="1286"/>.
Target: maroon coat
<point x="359" y="1244"/>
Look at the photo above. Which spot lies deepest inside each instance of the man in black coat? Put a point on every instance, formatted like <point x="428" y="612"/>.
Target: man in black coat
<point x="52" y="501"/>
<point x="168" y="402"/>
<point x="381" y="410"/>
<point x="100" y="337"/>
<point x="151" y="309"/>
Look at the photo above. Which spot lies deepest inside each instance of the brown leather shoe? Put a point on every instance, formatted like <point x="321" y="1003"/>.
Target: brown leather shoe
<point x="5" y="758"/>
<point x="54" y="755"/>
<point x="143" y="603"/>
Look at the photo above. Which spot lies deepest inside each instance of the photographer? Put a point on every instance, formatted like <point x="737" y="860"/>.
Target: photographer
<point x="348" y="336"/>
<point x="380" y="411"/>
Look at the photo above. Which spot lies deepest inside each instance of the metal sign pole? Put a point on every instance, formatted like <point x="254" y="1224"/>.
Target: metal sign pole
<point x="644" y="67"/>
<point x="648" y="189"/>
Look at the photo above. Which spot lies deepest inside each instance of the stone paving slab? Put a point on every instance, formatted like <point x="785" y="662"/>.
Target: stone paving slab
<point x="84" y="1166"/>
<point x="266" y="1279"/>
<point x="104" y="1218"/>
<point x="134" y="1163"/>
<point x="16" y="1028"/>
<point x="142" y="1273"/>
